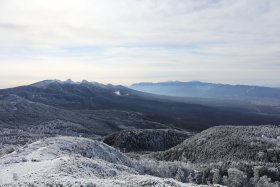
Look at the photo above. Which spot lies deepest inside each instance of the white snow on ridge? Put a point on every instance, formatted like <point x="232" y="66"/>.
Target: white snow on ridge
<point x="72" y="161"/>
<point x="117" y="92"/>
<point x="45" y="83"/>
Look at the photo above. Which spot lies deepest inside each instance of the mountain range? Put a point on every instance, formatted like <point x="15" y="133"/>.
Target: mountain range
<point x="97" y="106"/>
<point x="209" y="90"/>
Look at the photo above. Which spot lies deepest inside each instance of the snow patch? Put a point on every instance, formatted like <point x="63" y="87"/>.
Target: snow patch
<point x="117" y="92"/>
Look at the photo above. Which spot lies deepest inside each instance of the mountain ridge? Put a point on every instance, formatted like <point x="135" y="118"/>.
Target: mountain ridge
<point x="199" y="83"/>
<point x="208" y="90"/>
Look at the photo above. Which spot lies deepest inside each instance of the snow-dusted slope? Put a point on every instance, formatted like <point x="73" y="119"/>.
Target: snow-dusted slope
<point x="224" y="143"/>
<point x="18" y="112"/>
<point x="70" y="161"/>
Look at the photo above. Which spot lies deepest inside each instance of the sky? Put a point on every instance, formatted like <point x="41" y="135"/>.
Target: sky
<point x="129" y="41"/>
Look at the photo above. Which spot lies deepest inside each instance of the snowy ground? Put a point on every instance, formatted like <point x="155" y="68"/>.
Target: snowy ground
<point x="70" y="161"/>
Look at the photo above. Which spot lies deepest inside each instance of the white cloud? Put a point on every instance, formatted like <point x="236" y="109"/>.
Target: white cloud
<point x="126" y="41"/>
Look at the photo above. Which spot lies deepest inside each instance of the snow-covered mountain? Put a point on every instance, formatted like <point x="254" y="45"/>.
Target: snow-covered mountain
<point x="51" y="132"/>
<point x="83" y="103"/>
<point x="75" y="161"/>
<point x="68" y="161"/>
<point x="223" y="143"/>
<point x="250" y="154"/>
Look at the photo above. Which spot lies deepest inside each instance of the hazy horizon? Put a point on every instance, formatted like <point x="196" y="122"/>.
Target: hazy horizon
<point x="129" y="41"/>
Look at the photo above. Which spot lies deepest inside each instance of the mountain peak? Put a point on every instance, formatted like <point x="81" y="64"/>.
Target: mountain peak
<point x="85" y="82"/>
<point x="45" y="83"/>
<point x="69" y="81"/>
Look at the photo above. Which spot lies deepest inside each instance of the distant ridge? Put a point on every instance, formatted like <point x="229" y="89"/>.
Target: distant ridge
<point x="176" y="82"/>
<point x="208" y="90"/>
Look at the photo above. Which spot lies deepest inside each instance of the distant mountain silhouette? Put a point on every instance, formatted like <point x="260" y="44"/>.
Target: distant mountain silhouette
<point x="208" y="90"/>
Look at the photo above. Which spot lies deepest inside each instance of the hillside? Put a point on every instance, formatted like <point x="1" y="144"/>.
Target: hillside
<point x="226" y="143"/>
<point x="232" y="156"/>
<point x="68" y="161"/>
<point x="36" y="117"/>
<point x="146" y="139"/>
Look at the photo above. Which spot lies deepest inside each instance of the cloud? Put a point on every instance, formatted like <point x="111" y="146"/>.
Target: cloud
<point x="133" y="40"/>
